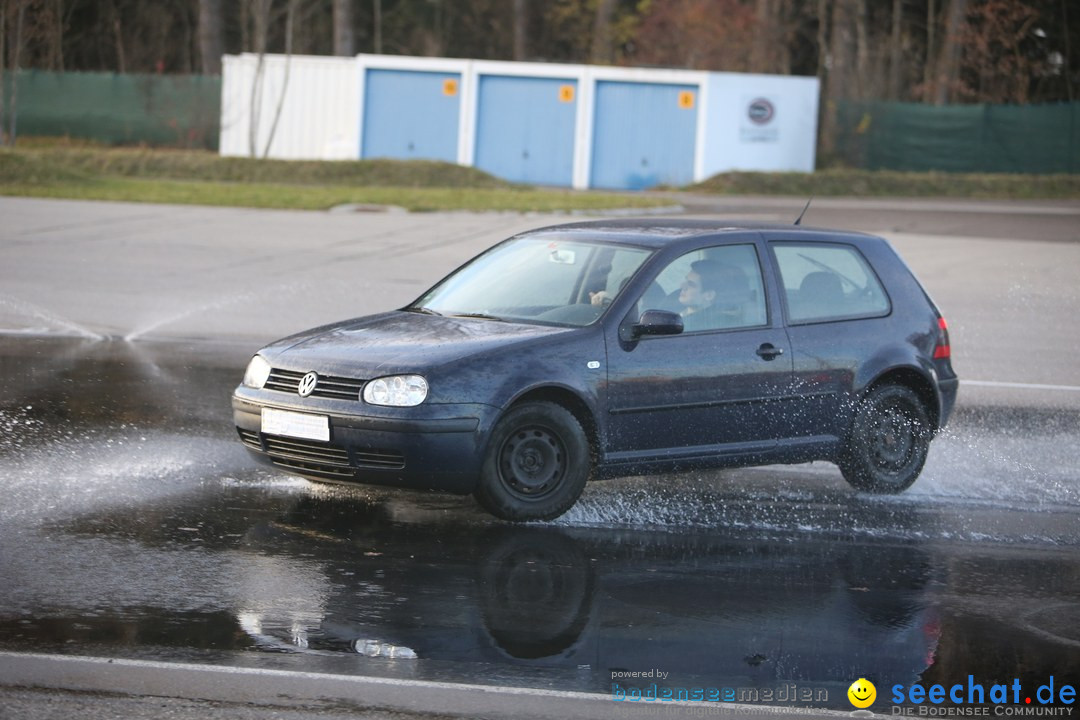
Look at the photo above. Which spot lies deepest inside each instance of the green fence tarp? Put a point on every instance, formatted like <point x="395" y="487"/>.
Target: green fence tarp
<point x="173" y="110"/>
<point x="1040" y="139"/>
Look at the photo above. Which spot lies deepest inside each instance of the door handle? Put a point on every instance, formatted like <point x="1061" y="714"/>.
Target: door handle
<point x="768" y="351"/>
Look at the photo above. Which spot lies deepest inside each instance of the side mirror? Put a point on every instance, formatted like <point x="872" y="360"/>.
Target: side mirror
<point x="657" y="322"/>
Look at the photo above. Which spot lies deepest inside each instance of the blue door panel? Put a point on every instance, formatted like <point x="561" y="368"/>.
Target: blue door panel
<point x="643" y="135"/>
<point x="410" y="114"/>
<point x="525" y="129"/>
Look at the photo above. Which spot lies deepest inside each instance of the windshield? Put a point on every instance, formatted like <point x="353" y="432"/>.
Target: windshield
<point x="542" y="280"/>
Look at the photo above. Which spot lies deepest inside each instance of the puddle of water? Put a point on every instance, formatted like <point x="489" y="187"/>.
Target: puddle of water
<point x="135" y="524"/>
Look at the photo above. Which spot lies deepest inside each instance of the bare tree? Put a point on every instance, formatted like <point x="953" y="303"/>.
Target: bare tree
<point x="770" y="52"/>
<point x="290" y="16"/>
<point x="603" y="45"/>
<point x="839" y="63"/>
<point x="344" y="34"/>
<point x="931" y="48"/>
<point x="859" y="48"/>
<point x="261" y="21"/>
<point x="211" y="36"/>
<point x="16" y="53"/>
<point x="377" y="16"/>
<point x="521" y="17"/>
<point x="826" y="114"/>
<point x="998" y="63"/>
<point x="57" y="36"/>
<point x="118" y="38"/>
<point x="260" y="16"/>
<point x="841" y="50"/>
<point x="1068" y="50"/>
<point x="3" y="48"/>
<point x="245" y="25"/>
<point x="822" y="40"/>
<point x="864" y="82"/>
<point x="697" y="34"/>
<point x="894" y="50"/>
<point x="948" y="69"/>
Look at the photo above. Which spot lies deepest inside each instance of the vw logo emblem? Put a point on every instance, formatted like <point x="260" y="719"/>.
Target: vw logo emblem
<point x="307" y="384"/>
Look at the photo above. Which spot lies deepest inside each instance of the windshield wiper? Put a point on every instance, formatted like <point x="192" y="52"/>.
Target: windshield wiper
<point x="482" y="316"/>
<point x="424" y="310"/>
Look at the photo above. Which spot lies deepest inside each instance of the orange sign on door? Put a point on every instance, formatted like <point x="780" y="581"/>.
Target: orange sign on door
<point x="686" y="100"/>
<point x="449" y="86"/>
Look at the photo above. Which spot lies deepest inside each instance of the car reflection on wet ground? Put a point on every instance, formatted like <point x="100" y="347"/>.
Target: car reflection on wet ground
<point x="134" y="525"/>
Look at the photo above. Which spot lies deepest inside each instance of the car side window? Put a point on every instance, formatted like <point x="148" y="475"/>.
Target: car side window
<point x="716" y="288"/>
<point x="828" y="282"/>
<point x="614" y="268"/>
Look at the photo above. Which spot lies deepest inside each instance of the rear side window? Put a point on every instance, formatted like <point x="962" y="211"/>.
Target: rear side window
<point x="828" y="282"/>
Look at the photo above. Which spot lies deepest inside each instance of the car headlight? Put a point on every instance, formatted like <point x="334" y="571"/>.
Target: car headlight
<point x="257" y="372"/>
<point x="396" y="391"/>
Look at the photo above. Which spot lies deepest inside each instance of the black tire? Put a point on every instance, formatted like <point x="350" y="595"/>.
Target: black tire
<point x="888" y="442"/>
<point x="537" y="463"/>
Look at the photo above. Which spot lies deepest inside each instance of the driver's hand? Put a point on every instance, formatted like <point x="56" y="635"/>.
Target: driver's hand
<point x="600" y="298"/>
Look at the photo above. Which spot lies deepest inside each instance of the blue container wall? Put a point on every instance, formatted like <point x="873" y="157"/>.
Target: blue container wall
<point x="525" y="129"/>
<point x="643" y="135"/>
<point x="409" y="115"/>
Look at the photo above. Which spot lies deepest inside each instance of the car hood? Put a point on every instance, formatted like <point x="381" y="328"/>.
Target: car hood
<point x="397" y="342"/>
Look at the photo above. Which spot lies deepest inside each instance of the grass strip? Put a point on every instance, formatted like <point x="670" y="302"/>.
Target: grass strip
<point x="315" y="197"/>
<point x="886" y="183"/>
<point x="203" y="165"/>
<point x="203" y="178"/>
<point x="47" y="167"/>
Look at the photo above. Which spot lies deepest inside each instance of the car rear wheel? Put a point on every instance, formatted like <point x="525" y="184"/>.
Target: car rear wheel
<point x="888" y="442"/>
<point x="537" y="463"/>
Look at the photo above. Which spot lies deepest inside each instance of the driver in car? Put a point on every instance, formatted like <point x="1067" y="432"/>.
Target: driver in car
<point x="712" y="296"/>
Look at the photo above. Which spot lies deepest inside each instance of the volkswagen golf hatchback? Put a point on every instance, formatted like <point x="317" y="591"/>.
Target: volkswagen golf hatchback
<point x="611" y="348"/>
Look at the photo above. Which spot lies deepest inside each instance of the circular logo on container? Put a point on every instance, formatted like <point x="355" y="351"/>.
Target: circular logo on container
<point x="761" y="111"/>
<point x="307" y="384"/>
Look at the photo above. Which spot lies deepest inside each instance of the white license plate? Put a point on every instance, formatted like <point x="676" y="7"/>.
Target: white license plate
<point x="297" y="425"/>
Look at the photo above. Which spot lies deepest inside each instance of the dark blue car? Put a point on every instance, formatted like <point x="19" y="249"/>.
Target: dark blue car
<point x="617" y="347"/>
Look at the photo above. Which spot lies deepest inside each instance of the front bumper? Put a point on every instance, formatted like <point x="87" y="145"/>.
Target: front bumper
<point x="437" y="447"/>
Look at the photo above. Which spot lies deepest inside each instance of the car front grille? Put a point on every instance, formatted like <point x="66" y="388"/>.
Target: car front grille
<point x="309" y="456"/>
<point x="379" y="459"/>
<point x="250" y="438"/>
<point x="325" y="459"/>
<point x="328" y="386"/>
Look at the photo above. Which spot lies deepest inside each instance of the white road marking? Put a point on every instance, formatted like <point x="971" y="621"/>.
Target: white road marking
<point x="272" y="672"/>
<point x="70" y="671"/>
<point x="1020" y="386"/>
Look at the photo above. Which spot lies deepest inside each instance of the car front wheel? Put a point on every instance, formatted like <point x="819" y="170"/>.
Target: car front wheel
<point x="888" y="442"/>
<point x="537" y="463"/>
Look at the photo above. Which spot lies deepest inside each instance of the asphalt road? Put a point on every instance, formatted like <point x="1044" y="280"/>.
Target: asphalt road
<point x="1003" y="273"/>
<point x="135" y="529"/>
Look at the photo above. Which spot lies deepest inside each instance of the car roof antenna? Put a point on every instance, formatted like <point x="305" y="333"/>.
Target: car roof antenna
<point x="799" y="219"/>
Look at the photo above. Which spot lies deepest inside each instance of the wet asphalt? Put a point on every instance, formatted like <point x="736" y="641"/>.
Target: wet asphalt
<point x="134" y="525"/>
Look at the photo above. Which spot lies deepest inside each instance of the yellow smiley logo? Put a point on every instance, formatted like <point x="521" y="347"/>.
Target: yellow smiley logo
<point x="862" y="693"/>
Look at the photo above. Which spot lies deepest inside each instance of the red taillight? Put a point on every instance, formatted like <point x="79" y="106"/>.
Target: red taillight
<point x="942" y="350"/>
